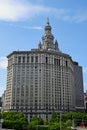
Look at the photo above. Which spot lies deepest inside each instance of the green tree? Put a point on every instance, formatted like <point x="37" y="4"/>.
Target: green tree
<point x="14" y="120"/>
<point x="35" y="122"/>
<point x="54" y="117"/>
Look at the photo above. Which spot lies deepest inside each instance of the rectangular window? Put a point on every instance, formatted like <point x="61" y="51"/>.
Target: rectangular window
<point x="54" y="61"/>
<point x="19" y="59"/>
<point x="46" y="59"/>
<point x="36" y="59"/>
<point x="57" y="61"/>
<point x="66" y="63"/>
<point x="23" y="59"/>
<point x="27" y="59"/>
<point x="32" y="59"/>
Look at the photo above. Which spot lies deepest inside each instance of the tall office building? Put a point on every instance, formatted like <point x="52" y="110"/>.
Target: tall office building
<point x="79" y="99"/>
<point x="41" y="81"/>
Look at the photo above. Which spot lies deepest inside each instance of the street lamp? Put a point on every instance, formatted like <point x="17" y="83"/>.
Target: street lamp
<point x="60" y="122"/>
<point x="1" y="121"/>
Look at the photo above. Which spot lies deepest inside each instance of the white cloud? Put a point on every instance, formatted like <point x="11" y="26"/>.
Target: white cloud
<point x="16" y="10"/>
<point x="85" y="70"/>
<point x="80" y="15"/>
<point x="3" y="63"/>
<point x="12" y="10"/>
<point x="33" y="27"/>
<point x="85" y="87"/>
<point x="27" y="27"/>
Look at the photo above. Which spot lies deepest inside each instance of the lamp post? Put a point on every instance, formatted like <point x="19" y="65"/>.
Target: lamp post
<point x="73" y="125"/>
<point x="60" y="122"/>
<point x="1" y="121"/>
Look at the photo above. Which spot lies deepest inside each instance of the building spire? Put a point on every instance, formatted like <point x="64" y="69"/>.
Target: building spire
<point x="47" y="27"/>
<point x="47" y="21"/>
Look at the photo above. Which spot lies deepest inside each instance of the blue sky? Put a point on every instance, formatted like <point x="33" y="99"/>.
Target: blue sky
<point x="22" y="26"/>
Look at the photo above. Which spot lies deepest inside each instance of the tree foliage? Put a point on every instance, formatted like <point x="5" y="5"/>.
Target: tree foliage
<point x="14" y="120"/>
<point x="54" y="117"/>
<point x="17" y="121"/>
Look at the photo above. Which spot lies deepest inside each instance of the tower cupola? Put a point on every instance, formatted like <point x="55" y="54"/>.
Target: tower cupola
<point x="48" y="39"/>
<point x="47" y="27"/>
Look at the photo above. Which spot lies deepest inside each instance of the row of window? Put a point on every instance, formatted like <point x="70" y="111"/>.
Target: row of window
<point x="32" y="59"/>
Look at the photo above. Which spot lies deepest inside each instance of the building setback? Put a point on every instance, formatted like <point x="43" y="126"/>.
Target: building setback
<point x="42" y="80"/>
